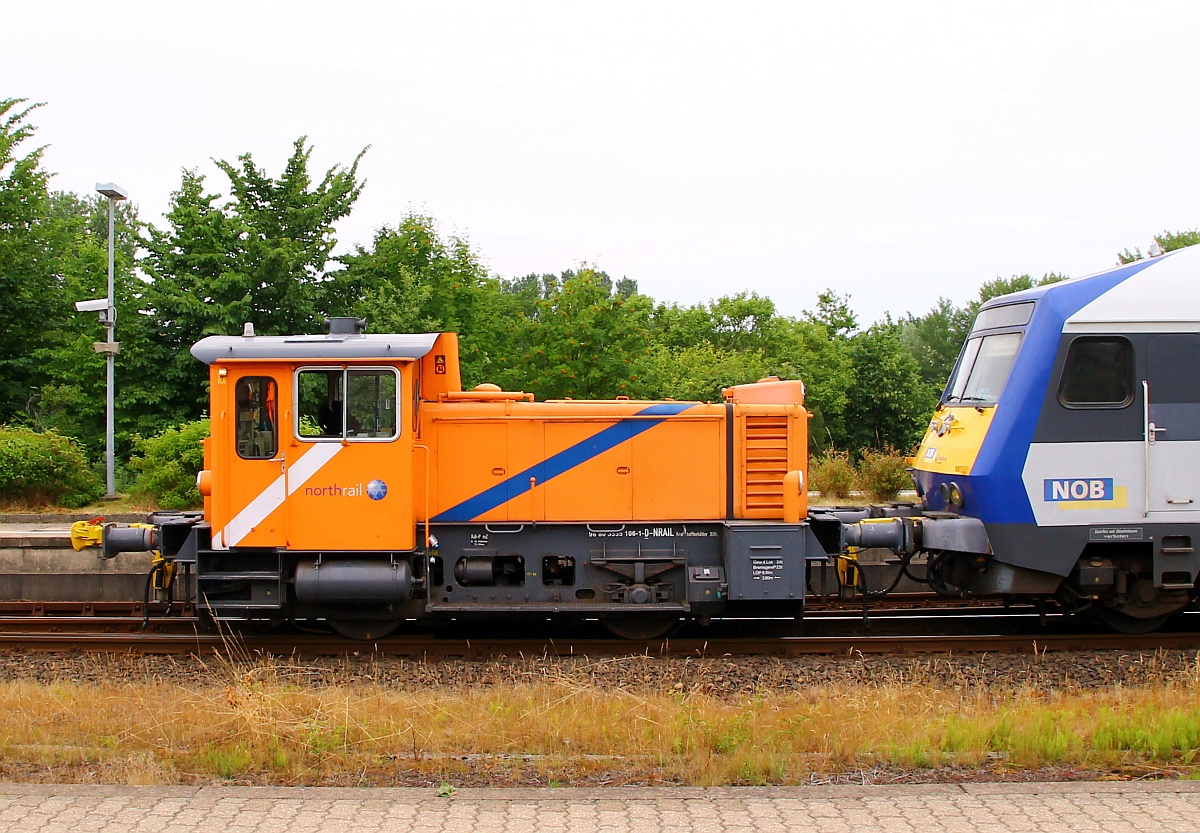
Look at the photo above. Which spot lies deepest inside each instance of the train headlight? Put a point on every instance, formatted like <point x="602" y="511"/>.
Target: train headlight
<point x="952" y="495"/>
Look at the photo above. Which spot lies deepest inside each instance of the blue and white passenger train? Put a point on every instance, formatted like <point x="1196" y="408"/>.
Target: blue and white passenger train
<point x="1064" y="457"/>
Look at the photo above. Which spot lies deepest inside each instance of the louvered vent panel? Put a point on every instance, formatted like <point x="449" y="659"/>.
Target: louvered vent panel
<point x="766" y="464"/>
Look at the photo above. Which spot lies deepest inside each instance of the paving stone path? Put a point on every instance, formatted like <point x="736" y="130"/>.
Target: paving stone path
<point x="1003" y="808"/>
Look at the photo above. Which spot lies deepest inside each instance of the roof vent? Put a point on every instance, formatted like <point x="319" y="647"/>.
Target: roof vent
<point x="344" y="325"/>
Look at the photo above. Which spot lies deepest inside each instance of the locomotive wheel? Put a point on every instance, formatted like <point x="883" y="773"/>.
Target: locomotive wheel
<point x="364" y="630"/>
<point x="640" y="626"/>
<point x="1124" y="623"/>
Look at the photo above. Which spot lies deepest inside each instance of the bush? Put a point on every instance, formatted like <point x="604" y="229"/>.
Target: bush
<point x="883" y="474"/>
<point x="832" y="474"/>
<point x="168" y="465"/>
<point x="43" y="468"/>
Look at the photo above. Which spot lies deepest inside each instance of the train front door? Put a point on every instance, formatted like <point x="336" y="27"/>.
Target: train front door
<point x="1171" y="394"/>
<point x="349" y="472"/>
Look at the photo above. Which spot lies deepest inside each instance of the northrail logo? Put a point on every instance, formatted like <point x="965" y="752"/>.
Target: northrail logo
<point x="375" y="490"/>
<point x="1061" y="490"/>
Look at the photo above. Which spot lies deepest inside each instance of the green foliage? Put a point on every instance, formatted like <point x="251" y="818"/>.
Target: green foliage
<point x="834" y="314"/>
<point x="883" y="474"/>
<point x="701" y="372"/>
<point x="1017" y="283"/>
<point x="412" y="280"/>
<point x="167" y="465"/>
<point x="45" y="468"/>
<point x="227" y="760"/>
<point x="1167" y="242"/>
<point x="832" y="474"/>
<point x="805" y="351"/>
<point x="935" y="339"/>
<point x="586" y="341"/>
<point x="258" y="257"/>
<point x="888" y="403"/>
<point x="27" y="280"/>
<point x="263" y="253"/>
<point x="701" y="349"/>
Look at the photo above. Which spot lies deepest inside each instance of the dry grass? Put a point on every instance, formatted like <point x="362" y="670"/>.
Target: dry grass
<point x="268" y="725"/>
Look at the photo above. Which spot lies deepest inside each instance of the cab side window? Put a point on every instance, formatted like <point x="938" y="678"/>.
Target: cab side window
<point x="1098" y="373"/>
<point x="257" y="409"/>
<point x="357" y="404"/>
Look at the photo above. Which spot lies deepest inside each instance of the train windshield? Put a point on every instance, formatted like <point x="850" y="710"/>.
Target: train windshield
<point x="984" y="368"/>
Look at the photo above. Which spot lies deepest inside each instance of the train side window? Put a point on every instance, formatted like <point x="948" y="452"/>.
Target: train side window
<point x="1098" y="373"/>
<point x="257" y="408"/>
<point x="358" y="404"/>
<point x="371" y="400"/>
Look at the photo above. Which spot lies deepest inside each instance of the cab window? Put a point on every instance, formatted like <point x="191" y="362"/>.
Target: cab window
<point x="256" y="408"/>
<point x="350" y="404"/>
<point x="983" y="369"/>
<point x="1098" y="373"/>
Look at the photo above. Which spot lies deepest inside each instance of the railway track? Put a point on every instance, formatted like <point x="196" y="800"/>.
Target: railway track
<point x="124" y="627"/>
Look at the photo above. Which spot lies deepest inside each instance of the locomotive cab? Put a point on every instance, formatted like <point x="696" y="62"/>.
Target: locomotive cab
<point x="964" y="414"/>
<point x="309" y="474"/>
<point x="311" y="455"/>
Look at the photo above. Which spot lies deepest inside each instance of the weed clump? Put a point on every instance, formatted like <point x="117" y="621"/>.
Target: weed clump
<point x="883" y="474"/>
<point x="832" y="474"/>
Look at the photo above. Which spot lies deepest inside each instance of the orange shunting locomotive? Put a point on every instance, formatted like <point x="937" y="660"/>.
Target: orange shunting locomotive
<point x="349" y="478"/>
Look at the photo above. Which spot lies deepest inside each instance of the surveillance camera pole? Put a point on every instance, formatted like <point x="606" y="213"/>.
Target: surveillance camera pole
<point x="114" y="193"/>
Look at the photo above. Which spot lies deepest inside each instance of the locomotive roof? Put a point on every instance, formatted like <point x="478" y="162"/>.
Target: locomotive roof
<point x="339" y="346"/>
<point x="1159" y="294"/>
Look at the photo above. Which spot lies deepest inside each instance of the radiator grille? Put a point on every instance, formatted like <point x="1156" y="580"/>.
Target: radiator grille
<point x="766" y="464"/>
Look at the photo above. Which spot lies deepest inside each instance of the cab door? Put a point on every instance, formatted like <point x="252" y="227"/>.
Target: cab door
<point x="349" y="475"/>
<point x="248" y="506"/>
<point x="1171" y="393"/>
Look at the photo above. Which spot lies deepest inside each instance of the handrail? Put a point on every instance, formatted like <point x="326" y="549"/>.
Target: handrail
<point x="425" y="448"/>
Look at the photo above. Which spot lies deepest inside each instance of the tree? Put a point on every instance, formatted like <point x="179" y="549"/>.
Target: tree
<point x="888" y="403"/>
<point x="1167" y="241"/>
<point x="258" y="257"/>
<point x="587" y="342"/>
<point x="802" y="349"/>
<point x="286" y="231"/>
<point x="834" y="314"/>
<point x="1017" y="283"/>
<point x="700" y="372"/>
<point x="29" y="287"/>
<point x="935" y="339"/>
<point x="411" y="280"/>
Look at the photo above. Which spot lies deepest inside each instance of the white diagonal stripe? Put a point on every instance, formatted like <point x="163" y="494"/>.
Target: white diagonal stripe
<point x="312" y="462"/>
<point x="272" y="497"/>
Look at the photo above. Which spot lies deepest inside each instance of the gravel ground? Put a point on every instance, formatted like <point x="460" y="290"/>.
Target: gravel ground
<point x="726" y="677"/>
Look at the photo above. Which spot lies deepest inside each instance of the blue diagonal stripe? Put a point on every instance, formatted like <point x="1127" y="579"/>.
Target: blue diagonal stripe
<point x="563" y="461"/>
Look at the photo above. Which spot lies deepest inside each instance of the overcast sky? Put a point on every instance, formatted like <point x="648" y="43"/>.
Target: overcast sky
<point x="895" y="152"/>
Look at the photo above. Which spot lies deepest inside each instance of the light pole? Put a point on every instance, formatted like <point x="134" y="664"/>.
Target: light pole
<point x="110" y="346"/>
